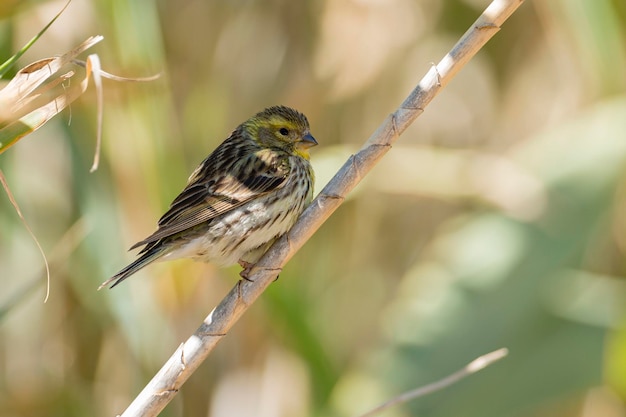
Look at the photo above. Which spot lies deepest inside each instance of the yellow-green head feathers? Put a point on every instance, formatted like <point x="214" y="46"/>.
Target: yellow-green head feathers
<point x="281" y="127"/>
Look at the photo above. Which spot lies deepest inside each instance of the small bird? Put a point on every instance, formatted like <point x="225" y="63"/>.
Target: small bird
<point x="249" y="191"/>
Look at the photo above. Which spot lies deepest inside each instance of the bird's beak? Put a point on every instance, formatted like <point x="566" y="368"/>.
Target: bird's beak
<point x="308" y="141"/>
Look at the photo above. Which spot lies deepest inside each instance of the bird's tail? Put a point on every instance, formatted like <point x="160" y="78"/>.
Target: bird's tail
<point x="145" y="259"/>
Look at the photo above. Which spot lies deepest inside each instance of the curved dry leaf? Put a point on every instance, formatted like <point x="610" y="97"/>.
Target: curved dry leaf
<point x="93" y="67"/>
<point x="25" y="106"/>
<point x="28" y="229"/>
<point x="32" y="76"/>
<point x="114" y="77"/>
<point x="14" y="131"/>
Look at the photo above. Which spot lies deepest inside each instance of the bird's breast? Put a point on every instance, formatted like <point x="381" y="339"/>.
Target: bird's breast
<point x="229" y="237"/>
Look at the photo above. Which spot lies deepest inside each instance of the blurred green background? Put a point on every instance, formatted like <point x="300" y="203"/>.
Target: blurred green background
<point x="498" y="220"/>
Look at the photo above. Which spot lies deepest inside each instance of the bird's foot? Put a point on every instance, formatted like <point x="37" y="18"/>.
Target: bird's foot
<point x="247" y="267"/>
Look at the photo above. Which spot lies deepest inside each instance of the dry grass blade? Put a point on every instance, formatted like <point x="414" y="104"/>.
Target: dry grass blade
<point x="190" y="354"/>
<point x="32" y="76"/>
<point x="25" y="106"/>
<point x="474" y="366"/>
<point x="93" y="67"/>
<point x="62" y="250"/>
<point x="3" y="181"/>
<point x="114" y="77"/>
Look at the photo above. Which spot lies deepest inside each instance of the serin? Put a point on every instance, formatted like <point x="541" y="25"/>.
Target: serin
<point x="249" y="191"/>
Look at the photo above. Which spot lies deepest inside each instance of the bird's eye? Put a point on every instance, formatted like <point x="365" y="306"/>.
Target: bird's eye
<point x="283" y="131"/>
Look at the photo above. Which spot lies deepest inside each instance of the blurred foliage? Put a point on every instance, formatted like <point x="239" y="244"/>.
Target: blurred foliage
<point x="499" y="219"/>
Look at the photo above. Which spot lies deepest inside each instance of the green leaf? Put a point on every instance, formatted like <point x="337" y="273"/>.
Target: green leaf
<point x="4" y="67"/>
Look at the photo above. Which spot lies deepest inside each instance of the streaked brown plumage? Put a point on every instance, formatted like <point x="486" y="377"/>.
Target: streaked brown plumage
<point x="245" y="194"/>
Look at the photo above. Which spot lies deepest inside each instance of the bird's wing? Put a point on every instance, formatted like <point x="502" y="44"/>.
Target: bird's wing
<point x="215" y="189"/>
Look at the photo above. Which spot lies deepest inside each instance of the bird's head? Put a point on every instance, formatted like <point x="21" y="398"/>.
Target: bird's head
<point x="281" y="127"/>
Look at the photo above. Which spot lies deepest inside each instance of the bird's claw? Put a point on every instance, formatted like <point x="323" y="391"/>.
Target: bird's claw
<point x="247" y="267"/>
